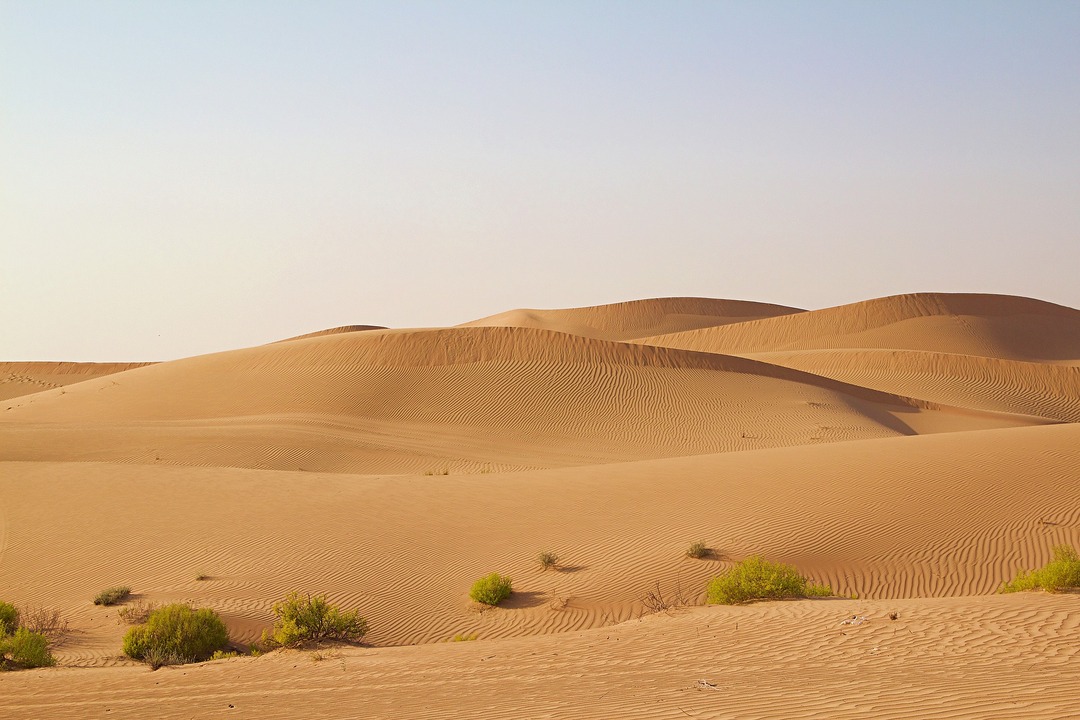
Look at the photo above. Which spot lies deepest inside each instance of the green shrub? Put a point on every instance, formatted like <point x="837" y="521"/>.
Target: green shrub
<point x="9" y="619"/>
<point x="757" y="579"/>
<point x="548" y="559"/>
<point x="698" y="551"/>
<point x="25" y="649"/>
<point x="1061" y="573"/>
<point x="176" y="634"/>
<point x="464" y="637"/>
<point x="491" y="589"/>
<point x="112" y="596"/>
<point x="304" y="618"/>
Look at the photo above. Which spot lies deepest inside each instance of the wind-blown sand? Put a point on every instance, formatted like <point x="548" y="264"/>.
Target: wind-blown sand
<point x="913" y="452"/>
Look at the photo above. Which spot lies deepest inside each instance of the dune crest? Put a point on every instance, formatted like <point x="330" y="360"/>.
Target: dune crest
<point x="999" y="326"/>
<point x="636" y="318"/>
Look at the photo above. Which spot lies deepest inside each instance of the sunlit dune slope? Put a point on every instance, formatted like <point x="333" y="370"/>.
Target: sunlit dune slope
<point x="461" y="399"/>
<point x="998" y="326"/>
<point x="26" y="378"/>
<point x="637" y="318"/>
<point x="938" y="515"/>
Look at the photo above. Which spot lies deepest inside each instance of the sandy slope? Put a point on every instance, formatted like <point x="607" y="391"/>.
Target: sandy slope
<point x="26" y="378"/>
<point x="1051" y="391"/>
<point x="994" y="657"/>
<point x="915" y="451"/>
<point x="947" y="514"/>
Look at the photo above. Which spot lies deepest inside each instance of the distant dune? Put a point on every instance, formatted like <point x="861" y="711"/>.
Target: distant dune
<point x="913" y="452"/>
<point x="638" y="318"/>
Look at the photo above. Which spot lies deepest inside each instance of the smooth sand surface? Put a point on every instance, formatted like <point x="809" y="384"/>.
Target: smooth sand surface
<point x="389" y="469"/>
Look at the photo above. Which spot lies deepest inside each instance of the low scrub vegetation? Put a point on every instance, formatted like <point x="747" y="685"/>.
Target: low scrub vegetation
<point x="113" y="595"/>
<point x="9" y="618"/>
<point x="548" y="560"/>
<point x="656" y="601"/>
<point x="302" y="619"/>
<point x="21" y="646"/>
<point x="758" y="579"/>
<point x="491" y="589"/>
<point x="136" y="613"/>
<point x="49" y="622"/>
<point x="176" y="634"/>
<point x="25" y="649"/>
<point x="698" y="551"/>
<point x="464" y="637"/>
<point x="1060" y="574"/>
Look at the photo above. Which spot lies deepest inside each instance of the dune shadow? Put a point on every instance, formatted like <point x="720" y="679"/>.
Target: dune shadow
<point x="571" y="568"/>
<point x="521" y="599"/>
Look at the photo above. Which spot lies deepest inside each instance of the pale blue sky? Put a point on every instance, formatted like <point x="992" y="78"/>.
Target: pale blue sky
<point x="184" y="177"/>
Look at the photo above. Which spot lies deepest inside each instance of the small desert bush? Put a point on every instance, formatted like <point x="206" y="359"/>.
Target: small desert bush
<point x="1061" y="573"/>
<point x="176" y="634"/>
<point x="548" y="559"/>
<point x="698" y="551"/>
<point x="112" y="596"/>
<point x="464" y="637"/>
<point x="9" y="618"/>
<point x="491" y="589"/>
<point x="306" y="618"/>
<point x="49" y="622"/>
<point x="25" y="649"/>
<point x="137" y="613"/>
<point x="758" y="579"/>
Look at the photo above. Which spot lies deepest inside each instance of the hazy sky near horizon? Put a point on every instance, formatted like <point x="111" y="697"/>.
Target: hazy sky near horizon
<point x="185" y="177"/>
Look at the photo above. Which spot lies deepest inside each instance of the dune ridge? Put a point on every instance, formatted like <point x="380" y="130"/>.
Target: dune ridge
<point x="636" y="318"/>
<point x="1000" y="326"/>
<point x="334" y="331"/>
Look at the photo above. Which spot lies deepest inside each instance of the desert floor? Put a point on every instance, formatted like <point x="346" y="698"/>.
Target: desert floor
<point x="913" y="452"/>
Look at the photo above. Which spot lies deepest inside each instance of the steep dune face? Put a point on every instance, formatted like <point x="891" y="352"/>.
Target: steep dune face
<point x="997" y="326"/>
<point x="27" y="378"/>
<point x="638" y="318"/>
<point x="460" y="399"/>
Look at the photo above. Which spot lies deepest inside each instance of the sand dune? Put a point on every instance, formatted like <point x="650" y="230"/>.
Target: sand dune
<point x="638" y="318"/>
<point x="912" y="451"/>
<point x="27" y="378"/>
<point x="462" y="400"/>
<point x="1006" y="327"/>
